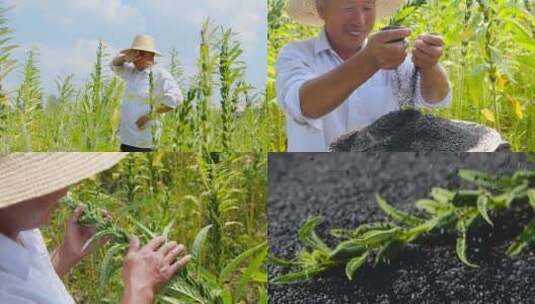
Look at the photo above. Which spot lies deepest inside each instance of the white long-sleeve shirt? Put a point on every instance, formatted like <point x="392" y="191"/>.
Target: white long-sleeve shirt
<point x="27" y="275"/>
<point x="135" y="102"/>
<point x="302" y="61"/>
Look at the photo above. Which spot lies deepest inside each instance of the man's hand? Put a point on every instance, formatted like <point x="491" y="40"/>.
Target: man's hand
<point x="131" y="55"/>
<point x="143" y="121"/>
<point x="72" y="250"/>
<point x="385" y="54"/>
<point x="426" y="55"/>
<point x="147" y="269"/>
<point x="427" y="51"/>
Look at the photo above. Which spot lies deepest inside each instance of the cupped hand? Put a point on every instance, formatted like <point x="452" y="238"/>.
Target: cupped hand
<point x="76" y="236"/>
<point x="73" y="248"/>
<point x="142" y="122"/>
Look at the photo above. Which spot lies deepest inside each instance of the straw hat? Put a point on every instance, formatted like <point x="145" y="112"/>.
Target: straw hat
<point x="24" y="176"/>
<point x="143" y="43"/>
<point x="305" y="12"/>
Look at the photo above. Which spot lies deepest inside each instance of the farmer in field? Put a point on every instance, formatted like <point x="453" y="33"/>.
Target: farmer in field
<point x="344" y="79"/>
<point x="30" y="187"/>
<point x="134" y="65"/>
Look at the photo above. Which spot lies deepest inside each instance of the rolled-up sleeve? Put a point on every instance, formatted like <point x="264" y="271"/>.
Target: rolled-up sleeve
<point x="170" y="91"/>
<point x="293" y="71"/>
<point x="421" y="102"/>
<point x="121" y="70"/>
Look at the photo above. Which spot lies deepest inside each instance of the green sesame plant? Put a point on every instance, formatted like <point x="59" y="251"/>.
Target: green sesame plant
<point x="409" y="8"/>
<point x="28" y="99"/>
<point x="214" y="204"/>
<point x="449" y="211"/>
<point x="194" y="284"/>
<point x="84" y="115"/>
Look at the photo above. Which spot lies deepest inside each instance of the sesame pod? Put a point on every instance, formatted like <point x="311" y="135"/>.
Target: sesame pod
<point x="360" y="230"/>
<point x="431" y="206"/>
<point x="518" y="195"/>
<point x="525" y="176"/>
<point x="389" y="251"/>
<point x="466" y="198"/>
<point x="373" y="226"/>
<point x="347" y="250"/>
<point x="443" y="221"/>
<point x="531" y="198"/>
<point x="396" y="214"/>
<point x="442" y="195"/>
<point x="483" y="208"/>
<point x="354" y="264"/>
<point x="377" y="237"/>
<point x="121" y="237"/>
<point x="480" y="179"/>
<point x="342" y="233"/>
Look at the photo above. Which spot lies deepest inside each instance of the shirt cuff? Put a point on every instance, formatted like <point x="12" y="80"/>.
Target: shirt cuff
<point x="445" y="102"/>
<point x="171" y="101"/>
<point x="292" y="105"/>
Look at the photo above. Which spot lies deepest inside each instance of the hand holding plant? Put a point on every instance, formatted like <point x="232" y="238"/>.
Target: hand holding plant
<point x="131" y="56"/>
<point x="161" y="267"/>
<point x="383" y="53"/>
<point x="73" y="248"/>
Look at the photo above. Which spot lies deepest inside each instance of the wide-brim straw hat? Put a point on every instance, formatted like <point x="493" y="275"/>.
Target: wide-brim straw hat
<point x="305" y="12"/>
<point x="143" y="43"/>
<point x="24" y="176"/>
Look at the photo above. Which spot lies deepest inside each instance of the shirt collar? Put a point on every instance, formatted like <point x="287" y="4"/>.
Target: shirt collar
<point x="322" y="44"/>
<point x="14" y="258"/>
<point x="145" y="71"/>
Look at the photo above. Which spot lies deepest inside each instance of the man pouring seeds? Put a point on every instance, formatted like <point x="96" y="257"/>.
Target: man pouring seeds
<point x="346" y="78"/>
<point x="138" y="109"/>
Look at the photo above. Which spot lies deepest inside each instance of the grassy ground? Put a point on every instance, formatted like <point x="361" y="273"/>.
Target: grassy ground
<point x="227" y="191"/>
<point x="489" y="58"/>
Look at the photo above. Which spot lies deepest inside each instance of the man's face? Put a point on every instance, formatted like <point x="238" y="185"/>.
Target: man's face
<point x="32" y="213"/>
<point x="144" y="60"/>
<point x="347" y="22"/>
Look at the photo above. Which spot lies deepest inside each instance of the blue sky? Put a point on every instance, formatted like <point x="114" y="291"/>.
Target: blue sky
<point x="67" y="32"/>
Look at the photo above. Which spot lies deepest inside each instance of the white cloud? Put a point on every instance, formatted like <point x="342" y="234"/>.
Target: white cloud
<point x="111" y="12"/>
<point x="247" y="18"/>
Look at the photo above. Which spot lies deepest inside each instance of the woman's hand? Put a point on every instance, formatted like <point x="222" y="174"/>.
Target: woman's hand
<point x="148" y="268"/>
<point x="72" y="250"/>
<point x="143" y="121"/>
